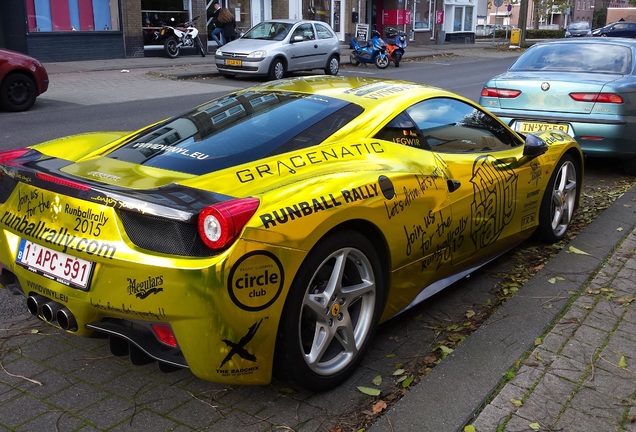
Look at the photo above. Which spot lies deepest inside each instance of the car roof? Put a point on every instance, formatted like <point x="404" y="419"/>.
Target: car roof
<point x="359" y="90"/>
<point x="628" y="42"/>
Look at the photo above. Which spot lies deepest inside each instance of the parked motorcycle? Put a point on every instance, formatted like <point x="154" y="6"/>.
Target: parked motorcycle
<point x="186" y="35"/>
<point x="370" y="52"/>
<point x="395" y="44"/>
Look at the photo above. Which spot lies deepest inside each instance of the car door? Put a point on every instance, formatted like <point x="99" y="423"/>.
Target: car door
<point x="481" y="161"/>
<point x="304" y="48"/>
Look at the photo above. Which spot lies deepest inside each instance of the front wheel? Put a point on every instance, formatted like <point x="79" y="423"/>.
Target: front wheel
<point x="200" y="46"/>
<point x="333" y="66"/>
<point x="559" y="201"/>
<point x="382" y="61"/>
<point x="171" y="47"/>
<point x="397" y="58"/>
<point x="277" y="70"/>
<point x="330" y="315"/>
<point x="354" y="59"/>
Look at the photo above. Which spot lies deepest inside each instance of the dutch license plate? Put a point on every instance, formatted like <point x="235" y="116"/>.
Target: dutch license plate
<point x="233" y="62"/>
<point x="58" y="266"/>
<point x="533" y="127"/>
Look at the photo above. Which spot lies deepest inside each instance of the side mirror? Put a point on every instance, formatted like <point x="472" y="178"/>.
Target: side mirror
<point x="534" y="146"/>
<point x="297" y="38"/>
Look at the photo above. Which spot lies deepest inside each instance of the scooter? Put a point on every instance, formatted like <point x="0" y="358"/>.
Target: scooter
<point x="395" y="44"/>
<point x="373" y="52"/>
<point x="186" y="35"/>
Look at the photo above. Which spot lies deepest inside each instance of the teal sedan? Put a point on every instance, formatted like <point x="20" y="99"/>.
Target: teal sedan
<point x="583" y="87"/>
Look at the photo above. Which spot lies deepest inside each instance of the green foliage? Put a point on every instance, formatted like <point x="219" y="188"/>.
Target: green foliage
<point x="535" y="34"/>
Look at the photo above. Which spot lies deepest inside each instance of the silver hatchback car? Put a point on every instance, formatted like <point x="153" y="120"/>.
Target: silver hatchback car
<point x="276" y="47"/>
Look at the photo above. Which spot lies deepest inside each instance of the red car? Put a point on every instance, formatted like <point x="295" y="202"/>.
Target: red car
<point x="22" y="79"/>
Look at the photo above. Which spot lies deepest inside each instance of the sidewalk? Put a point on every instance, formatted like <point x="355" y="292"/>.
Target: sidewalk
<point x="559" y="355"/>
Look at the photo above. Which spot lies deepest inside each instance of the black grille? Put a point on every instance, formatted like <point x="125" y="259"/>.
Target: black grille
<point x="164" y="235"/>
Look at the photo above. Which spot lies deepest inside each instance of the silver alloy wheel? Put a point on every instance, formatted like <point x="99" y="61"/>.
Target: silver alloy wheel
<point x="563" y="198"/>
<point x="279" y="70"/>
<point x="337" y="311"/>
<point x="334" y="66"/>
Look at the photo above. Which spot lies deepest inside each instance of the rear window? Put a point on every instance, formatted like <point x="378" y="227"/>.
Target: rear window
<point x="580" y="57"/>
<point x="238" y="129"/>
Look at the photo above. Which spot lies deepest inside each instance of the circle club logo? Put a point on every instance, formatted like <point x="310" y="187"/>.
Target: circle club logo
<point x="256" y="281"/>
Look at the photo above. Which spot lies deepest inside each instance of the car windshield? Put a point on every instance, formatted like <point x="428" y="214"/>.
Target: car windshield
<point x="238" y="129"/>
<point x="269" y="30"/>
<point x="583" y="25"/>
<point x="581" y="57"/>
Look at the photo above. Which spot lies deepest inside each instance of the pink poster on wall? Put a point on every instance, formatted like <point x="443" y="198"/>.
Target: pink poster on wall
<point x="60" y="15"/>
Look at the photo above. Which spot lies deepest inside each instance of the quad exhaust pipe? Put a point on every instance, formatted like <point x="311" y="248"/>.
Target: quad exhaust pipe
<point x="51" y="312"/>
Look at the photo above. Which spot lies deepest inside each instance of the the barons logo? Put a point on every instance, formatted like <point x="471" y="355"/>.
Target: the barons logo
<point x="255" y="281"/>
<point x="142" y="289"/>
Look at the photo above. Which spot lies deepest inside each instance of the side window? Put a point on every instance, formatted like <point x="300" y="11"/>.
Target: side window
<point x="452" y="126"/>
<point x="402" y="130"/>
<point x="304" y="30"/>
<point x="323" y="32"/>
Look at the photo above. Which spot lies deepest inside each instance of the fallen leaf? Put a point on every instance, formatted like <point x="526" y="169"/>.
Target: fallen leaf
<point x="407" y="382"/>
<point x="538" y="341"/>
<point x="622" y="363"/>
<point x="379" y="406"/>
<point x="369" y="391"/>
<point x="470" y="428"/>
<point x="398" y="372"/>
<point x="377" y="380"/>
<point x="470" y="313"/>
<point x="619" y="229"/>
<point x="572" y="249"/>
<point x="516" y="402"/>
<point x="534" y="426"/>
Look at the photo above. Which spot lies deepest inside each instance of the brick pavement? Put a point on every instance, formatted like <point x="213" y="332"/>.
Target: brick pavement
<point x="582" y="375"/>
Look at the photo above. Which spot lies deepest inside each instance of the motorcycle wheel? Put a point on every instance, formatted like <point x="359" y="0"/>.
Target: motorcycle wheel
<point x="396" y="59"/>
<point x="354" y="60"/>
<point x="200" y="46"/>
<point x="382" y="61"/>
<point x="171" y="47"/>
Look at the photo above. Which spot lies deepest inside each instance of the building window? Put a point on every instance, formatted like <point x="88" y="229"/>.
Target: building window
<point x="422" y="14"/>
<point x="72" y="15"/>
<point x="463" y="19"/>
<point x="157" y="13"/>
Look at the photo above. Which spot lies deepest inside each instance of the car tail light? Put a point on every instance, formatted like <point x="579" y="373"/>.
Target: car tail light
<point x="164" y="334"/>
<point x="69" y="183"/>
<point x="220" y="224"/>
<point x="597" y="97"/>
<point x="7" y="156"/>
<point x="500" y="93"/>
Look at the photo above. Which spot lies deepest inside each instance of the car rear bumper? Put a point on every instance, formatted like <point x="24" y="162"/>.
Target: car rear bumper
<point x="598" y="137"/>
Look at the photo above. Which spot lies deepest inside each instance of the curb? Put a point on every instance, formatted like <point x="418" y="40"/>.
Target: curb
<point x="457" y="389"/>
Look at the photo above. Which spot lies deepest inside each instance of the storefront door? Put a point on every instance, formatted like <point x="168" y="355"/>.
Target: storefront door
<point x="261" y="11"/>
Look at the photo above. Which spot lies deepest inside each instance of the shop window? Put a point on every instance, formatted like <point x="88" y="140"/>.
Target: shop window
<point x="72" y="15"/>
<point x="463" y="19"/>
<point x="422" y="15"/>
<point x="157" y="13"/>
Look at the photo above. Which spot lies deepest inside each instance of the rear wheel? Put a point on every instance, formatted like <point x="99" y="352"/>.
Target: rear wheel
<point x="382" y="61"/>
<point x="17" y="93"/>
<point x="333" y="66"/>
<point x="559" y="201"/>
<point x="171" y="47"/>
<point x="277" y="70"/>
<point x="331" y="312"/>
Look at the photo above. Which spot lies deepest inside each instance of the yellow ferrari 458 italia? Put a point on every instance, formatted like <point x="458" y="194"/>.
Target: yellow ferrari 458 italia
<point x="271" y="230"/>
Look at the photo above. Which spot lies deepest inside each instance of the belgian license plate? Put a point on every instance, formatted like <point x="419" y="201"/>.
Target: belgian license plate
<point x="61" y="267"/>
<point x="233" y="62"/>
<point x="533" y="127"/>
